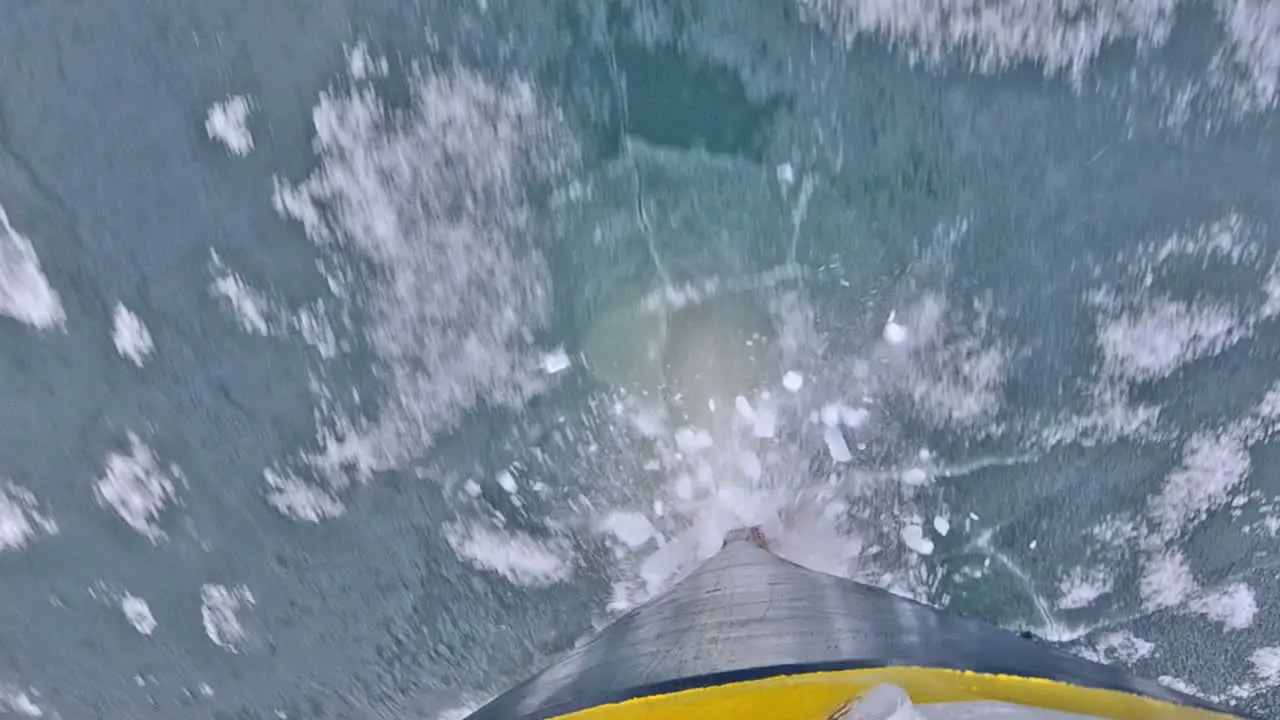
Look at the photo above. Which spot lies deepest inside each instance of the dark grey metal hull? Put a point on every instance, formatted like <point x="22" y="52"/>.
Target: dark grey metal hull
<point x="747" y="614"/>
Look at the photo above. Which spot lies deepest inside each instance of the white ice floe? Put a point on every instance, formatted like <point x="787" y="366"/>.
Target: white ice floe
<point x="18" y="701"/>
<point x="228" y="122"/>
<point x="132" y="339"/>
<point x="138" y="613"/>
<point x="137" y="488"/>
<point x="222" y="611"/>
<point x="20" y="517"/>
<point x="25" y="292"/>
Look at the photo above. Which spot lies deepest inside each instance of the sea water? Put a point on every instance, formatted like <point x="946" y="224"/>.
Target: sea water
<point x="360" y="358"/>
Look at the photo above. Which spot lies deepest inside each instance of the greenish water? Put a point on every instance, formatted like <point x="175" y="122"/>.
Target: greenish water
<point x="398" y="436"/>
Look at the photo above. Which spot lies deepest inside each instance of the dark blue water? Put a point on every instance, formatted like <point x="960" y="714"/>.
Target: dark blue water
<point x="356" y="328"/>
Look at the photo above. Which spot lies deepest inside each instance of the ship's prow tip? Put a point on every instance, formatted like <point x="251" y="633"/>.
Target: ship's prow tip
<point x="753" y="535"/>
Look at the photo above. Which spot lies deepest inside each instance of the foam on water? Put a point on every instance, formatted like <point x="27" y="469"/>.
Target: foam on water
<point x="1082" y="586"/>
<point x="748" y="475"/>
<point x="431" y="199"/>
<point x="249" y="307"/>
<point x="515" y="556"/>
<point x="1067" y="36"/>
<point x="1121" y="647"/>
<point x="297" y="499"/>
<point x="1253" y="29"/>
<point x="1233" y="606"/>
<point x="990" y="36"/>
<point x="25" y="293"/>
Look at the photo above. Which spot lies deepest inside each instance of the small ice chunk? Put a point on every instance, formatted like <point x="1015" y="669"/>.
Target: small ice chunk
<point x="684" y="487"/>
<point x="138" y="614"/>
<point x="508" y="482"/>
<point x="631" y="528"/>
<point x="744" y="408"/>
<point x="786" y="175"/>
<point x="749" y="464"/>
<point x="894" y="334"/>
<point x="973" y="516"/>
<point x="915" y="476"/>
<point x="830" y="415"/>
<point x="766" y="423"/>
<point x="705" y="476"/>
<point x="1032" y="545"/>
<point x="942" y="525"/>
<point x="472" y="488"/>
<point x="692" y="440"/>
<point x="792" y="381"/>
<point x="854" y="417"/>
<point x="913" y="536"/>
<point x="659" y="508"/>
<point x="555" y="361"/>
<point x="836" y="445"/>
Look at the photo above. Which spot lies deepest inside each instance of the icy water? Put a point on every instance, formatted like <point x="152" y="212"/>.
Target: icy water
<point x="360" y="357"/>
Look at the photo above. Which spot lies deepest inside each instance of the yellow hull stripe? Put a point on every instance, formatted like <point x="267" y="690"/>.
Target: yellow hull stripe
<point x="820" y="695"/>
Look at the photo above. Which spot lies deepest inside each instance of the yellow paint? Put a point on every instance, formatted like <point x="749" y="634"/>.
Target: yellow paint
<point x="817" y="696"/>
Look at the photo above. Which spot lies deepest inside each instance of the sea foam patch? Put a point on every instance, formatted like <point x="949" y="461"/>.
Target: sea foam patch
<point x="517" y="557"/>
<point x="992" y="36"/>
<point x="1062" y="36"/>
<point x="432" y="198"/>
